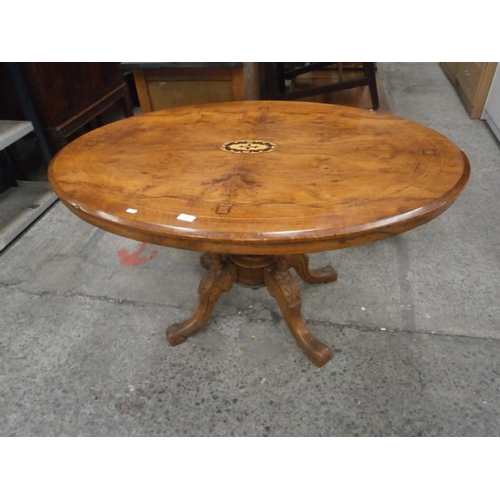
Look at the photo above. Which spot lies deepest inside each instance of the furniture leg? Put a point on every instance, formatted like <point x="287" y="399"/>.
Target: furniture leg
<point x="219" y="278"/>
<point x="369" y="69"/>
<point x="283" y="288"/>
<point x="300" y="263"/>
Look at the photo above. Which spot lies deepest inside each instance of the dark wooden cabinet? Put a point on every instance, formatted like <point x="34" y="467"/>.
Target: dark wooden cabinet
<point x="66" y="97"/>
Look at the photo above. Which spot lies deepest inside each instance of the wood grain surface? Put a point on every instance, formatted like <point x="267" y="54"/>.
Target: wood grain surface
<point x="336" y="177"/>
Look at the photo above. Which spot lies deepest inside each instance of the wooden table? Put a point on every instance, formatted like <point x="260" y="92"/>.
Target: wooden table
<point x="256" y="186"/>
<point x="168" y="84"/>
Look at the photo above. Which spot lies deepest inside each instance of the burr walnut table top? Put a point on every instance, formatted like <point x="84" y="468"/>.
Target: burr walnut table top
<point x="259" y="177"/>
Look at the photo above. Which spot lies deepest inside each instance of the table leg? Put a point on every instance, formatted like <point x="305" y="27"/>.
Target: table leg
<point x="219" y="278"/>
<point x="255" y="271"/>
<point x="300" y="263"/>
<point x="283" y="288"/>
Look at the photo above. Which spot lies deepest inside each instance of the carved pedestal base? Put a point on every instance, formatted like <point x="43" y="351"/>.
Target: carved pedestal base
<point x="256" y="271"/>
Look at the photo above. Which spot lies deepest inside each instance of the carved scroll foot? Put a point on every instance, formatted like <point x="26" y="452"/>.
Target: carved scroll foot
<point x="283" y="288"/>
<point x="300" y="263"/>
<point x="219" y="278"/>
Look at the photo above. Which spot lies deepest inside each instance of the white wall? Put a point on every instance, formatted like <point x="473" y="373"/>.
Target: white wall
<point x="491" y="111"/>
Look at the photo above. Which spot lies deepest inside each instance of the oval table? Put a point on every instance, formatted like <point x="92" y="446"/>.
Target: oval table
<point x="256" y="186"/>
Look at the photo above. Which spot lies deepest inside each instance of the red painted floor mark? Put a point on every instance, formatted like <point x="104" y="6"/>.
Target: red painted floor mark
<point x="135" y="259"/>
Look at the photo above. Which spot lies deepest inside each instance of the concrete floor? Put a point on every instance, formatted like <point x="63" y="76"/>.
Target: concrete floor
<point x="414" y="320"/>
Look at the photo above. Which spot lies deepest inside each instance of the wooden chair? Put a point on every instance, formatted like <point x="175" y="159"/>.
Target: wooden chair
<point x="287" y="71"/>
